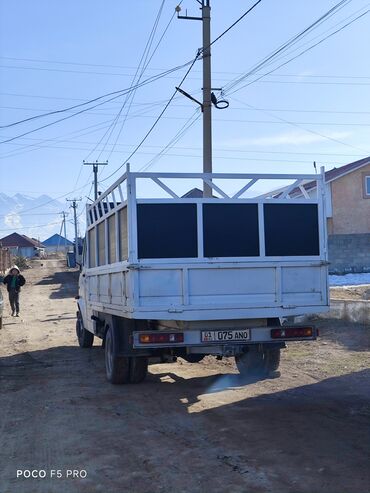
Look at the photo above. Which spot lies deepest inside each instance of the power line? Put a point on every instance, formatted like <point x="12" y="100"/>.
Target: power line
<point x="290" y="42"/>
<point x="225" y="149"/>
<point x="29" y="227"/>
<point x="69" y="133"/>
<point x="157" y="120"/>
<point x="142" y="66"/>
<point x="298" y="125"/>
<point x="236" y="22"/>
<point x="200" y="52"/>
<point x="304" y="51"/>
<point x="189" y="123"/>
<point x="231" y="108"/>
<point x="119" y="93"/>
<point x="145" y="67"/>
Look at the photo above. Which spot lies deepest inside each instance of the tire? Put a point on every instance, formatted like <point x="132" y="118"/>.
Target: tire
<point x="138" y="369"/>
<point x="193" y="358"/>
<point x="117" y="368"/>
<point x="258" y="362"/>
<point x="85" y="338"/>
<point x="272" y="359"/>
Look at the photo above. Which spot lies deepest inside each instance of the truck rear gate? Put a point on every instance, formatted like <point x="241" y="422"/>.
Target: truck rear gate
<point x="207" y="258"/>
<point x="188" y="276"/>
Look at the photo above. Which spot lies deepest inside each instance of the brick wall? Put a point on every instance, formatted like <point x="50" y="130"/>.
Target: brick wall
<point x="349" y="253"/>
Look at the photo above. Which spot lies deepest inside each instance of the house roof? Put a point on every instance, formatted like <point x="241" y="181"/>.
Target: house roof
<point x="331" y="175"/>
<point x="194" y="193"/>
<point x="335" y="173"/>
<point x="17" y="240"/>
<point x="56" y="240"/>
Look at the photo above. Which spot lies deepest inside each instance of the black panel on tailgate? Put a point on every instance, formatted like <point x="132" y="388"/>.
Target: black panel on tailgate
<point x="291" y="229"/>
<point x="167" y="230"/>
<point x="230" y="230"/>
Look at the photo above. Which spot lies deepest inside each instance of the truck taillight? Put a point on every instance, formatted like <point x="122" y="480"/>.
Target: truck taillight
<point x="292" y="332"/>
<point x="161" y="338"/>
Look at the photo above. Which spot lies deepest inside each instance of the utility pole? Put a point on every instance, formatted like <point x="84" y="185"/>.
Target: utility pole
<point x="65" y="230"/>
<point x="74" y="207"/>
<point x="95" y="171"/>
<point x="207" y="90"/>
<point x="207" y="87"/>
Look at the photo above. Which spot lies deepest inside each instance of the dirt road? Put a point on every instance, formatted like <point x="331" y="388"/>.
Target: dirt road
<point x="187" y="428"/>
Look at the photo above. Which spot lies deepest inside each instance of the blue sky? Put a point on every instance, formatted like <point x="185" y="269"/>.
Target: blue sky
<point x="56" y="54"/>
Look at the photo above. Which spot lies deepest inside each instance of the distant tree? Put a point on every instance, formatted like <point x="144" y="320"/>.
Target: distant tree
<point x="20" y="261"/>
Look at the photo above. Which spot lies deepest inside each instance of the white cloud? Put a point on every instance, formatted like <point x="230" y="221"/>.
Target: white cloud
<point x="286" y="138"/>
<point x="13" y="220"/>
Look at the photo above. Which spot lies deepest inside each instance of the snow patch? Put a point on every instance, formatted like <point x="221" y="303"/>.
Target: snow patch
<point x="350" y="280"/>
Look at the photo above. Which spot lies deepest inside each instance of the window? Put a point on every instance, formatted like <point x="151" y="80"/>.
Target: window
<point x="367" y="186"/>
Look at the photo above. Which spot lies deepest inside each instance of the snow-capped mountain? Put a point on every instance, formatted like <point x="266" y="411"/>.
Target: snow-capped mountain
<point x="37" y="217"/>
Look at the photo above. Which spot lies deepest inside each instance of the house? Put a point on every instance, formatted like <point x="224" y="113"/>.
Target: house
<point x="22" y="245"/>
<point x="348" y="215"/>
<point x="57" y="243"/>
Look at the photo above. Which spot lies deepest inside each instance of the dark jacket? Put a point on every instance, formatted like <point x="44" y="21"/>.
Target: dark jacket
<point x="20" y="281"/>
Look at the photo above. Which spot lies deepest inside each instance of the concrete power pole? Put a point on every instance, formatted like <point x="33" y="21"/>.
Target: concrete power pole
<point x="74" y="207"/>
<point x="65" y="230"/>
<point x="95" y="171"/>
<point x="207" y="87"/>
<point x="207" y="91"/>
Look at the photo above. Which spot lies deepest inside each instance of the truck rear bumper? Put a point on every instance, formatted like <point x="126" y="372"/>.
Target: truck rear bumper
<point x="208" y="338"/>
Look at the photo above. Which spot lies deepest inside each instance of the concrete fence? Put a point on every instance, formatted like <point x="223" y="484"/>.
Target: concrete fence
<point x="349" y="253"/>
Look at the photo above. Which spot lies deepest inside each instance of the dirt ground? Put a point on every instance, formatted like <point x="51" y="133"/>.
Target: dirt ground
<point x="350" y="292"/>
<point x="189" y="427"/>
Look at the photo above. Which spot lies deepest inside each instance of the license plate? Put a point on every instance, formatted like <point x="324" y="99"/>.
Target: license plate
<point x="237" y="335"/>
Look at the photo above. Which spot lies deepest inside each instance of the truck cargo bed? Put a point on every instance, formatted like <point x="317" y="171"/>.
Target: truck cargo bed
<point x="225" y="257"/>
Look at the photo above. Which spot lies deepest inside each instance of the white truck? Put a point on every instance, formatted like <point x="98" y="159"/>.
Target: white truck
<point x="179" y="276"/>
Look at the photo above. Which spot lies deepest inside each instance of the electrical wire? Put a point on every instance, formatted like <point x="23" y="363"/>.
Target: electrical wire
<point x="298" y="125"/>
<point x="157" y="119"/>
<point x="235" y="23"/>
<point x="302" y="53"/>
<point x="117" y="94"/>
<point x="184" y="129"/>
<point x="179" y="86"/>
<point x="286" y="45"/>
<point x="11" y="154"/>
<point x="145" y="67"/>
<point x="135" y="80"/>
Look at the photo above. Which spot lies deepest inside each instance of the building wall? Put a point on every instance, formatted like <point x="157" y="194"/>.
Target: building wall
<point x="60" y="248"/>
<point x="349" y="253"/>
<point x="28" y="252"/>
<point x="351" y="209"/>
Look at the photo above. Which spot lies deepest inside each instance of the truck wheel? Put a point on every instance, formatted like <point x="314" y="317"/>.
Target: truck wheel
<point x="193" y="358"/>
<point x="250" y="363"/>
<point x="85" y="338"/>
<point x="116" y="367"/>
<point x="138" y="369"/>
<point x="272" y="357"/>
<point x="257" y="362"/>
